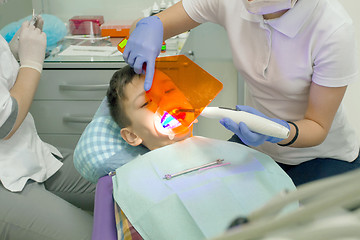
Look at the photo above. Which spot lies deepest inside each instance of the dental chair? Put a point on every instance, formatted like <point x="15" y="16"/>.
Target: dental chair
<point x="104" y="226"/>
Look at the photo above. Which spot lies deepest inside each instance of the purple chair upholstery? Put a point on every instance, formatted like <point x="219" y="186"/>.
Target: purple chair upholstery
<point x="104" y="226"/>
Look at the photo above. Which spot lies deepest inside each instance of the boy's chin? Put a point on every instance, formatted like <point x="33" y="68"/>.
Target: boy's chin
<point x="182" y="136"/>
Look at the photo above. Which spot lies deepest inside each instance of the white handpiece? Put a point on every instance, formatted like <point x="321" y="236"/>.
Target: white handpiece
<point x="255" y="123"/>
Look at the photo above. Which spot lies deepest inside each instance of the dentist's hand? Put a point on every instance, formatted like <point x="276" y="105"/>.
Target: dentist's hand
<point x="32" y="46"/>
<point x="14" y="43"/>
<point x="242" y="131"/>
<point x="143" y="47"/>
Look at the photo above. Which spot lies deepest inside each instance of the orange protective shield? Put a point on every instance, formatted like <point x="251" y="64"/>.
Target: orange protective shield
<point x="182" y="89"/>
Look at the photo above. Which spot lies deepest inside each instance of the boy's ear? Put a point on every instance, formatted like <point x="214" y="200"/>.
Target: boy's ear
<point x="130" y="137"/>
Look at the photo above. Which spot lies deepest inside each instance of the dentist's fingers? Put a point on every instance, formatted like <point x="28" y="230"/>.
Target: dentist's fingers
<point x="230" y="125"/>
<point x="250" y="136"/>
<point x="138" y="64"/>
<point x="126" y="54"/>
<point x="150" y="70"/>
<point x="39" y="23"/>
<point x="243" y="132"/>
<point x="131" y="59"/>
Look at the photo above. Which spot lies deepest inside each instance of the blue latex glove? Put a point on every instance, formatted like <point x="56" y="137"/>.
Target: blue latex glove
<point x="242" y="131"/>
<point x="143" y="47"/>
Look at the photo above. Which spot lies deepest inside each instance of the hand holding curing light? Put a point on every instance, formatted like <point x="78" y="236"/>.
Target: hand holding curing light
<point x="260" y="127"/>
<point x="250" y="136"/>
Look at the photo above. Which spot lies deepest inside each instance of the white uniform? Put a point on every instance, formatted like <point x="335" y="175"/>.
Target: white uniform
<point x="279" y="58"/>
<point x="24" y="156"/>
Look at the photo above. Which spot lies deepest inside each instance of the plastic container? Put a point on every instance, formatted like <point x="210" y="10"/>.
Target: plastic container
<point x="115" y="29"/>
<point x="89" y="25"/>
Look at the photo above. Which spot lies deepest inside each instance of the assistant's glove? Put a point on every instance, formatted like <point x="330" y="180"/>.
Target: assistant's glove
<point x="242" y="131"/>
<point x="14" y="43"/>
<point x="143" y="46"/>
<point x="32" y="46"/>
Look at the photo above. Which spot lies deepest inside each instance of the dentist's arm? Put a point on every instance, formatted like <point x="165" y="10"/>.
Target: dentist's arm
<point x="145" y="41"/>
<point x="175" y="20"/>
<point x="312" y="129"/>
<point x="32" y="45"/>
<point x="322" y="107"/>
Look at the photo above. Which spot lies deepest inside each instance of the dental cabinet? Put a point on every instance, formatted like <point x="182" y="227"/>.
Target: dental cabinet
<point x="68" y="95"/>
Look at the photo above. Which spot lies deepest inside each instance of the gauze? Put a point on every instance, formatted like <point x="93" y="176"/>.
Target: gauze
<point x="268" y="6"/>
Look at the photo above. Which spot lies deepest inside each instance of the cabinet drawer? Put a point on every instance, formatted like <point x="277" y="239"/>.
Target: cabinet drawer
<point x="63" y="117"/>
<point x="73" y="85"/>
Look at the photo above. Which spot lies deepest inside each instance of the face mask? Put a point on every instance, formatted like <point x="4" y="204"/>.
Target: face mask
<point x="268" y="6"/>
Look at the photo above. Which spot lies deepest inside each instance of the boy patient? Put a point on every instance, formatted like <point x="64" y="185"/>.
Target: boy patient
<point x="132" y="111"/>
<point x="129" y="108"/>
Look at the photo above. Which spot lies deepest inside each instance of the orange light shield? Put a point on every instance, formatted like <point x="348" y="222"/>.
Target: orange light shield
<point x="181" y="89"/>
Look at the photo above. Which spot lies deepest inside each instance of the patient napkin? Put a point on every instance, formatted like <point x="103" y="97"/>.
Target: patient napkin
<point x="200" y="204"/>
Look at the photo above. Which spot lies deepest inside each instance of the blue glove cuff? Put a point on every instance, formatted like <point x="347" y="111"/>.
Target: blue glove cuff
<point x="151" y="20"/>
<point x="282" y="122"/>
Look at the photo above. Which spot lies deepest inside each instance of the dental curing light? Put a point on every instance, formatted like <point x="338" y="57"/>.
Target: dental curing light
<point x="254" y="122"/>
<point x="170" y="123"/>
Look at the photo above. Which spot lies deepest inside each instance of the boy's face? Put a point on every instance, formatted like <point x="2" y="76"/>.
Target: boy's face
<point x="142" y="129"/>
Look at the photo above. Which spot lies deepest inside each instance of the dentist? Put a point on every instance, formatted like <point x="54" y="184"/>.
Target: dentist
<point x="37" y="181"/>
<point x="297" y="58"/>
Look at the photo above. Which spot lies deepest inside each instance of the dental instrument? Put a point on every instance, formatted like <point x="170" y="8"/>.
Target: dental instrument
<point x="34" y="18"/>
<point x="255" y="123"/>
<point x="86" y="37"/>
<point x="170" y="176"/>
<point x="173" y="119"/>
<point x="318" y="200"/>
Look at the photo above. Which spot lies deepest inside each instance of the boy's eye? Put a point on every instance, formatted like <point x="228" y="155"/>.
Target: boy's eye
<point x="145" y="104"/>
<point x="169" y="91"/>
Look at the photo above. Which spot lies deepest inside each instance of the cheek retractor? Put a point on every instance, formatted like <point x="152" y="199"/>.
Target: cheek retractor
<point x="165" y="124"/>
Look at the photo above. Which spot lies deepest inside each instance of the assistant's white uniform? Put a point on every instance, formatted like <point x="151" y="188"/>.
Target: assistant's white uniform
<point x="279" y="58"/>
<point x="24" y="156"/>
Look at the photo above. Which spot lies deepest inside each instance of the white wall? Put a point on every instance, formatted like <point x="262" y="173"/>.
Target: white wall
<point x="14" y="10"/>
<point x="212" y="52"/>
<point x="110" y="9"/>
<point x="352" y="97"/>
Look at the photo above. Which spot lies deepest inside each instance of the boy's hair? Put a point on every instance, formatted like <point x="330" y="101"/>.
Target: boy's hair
<point x="116" y="95"/>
